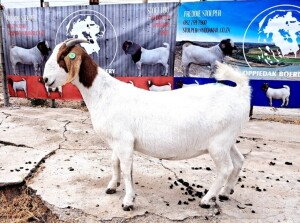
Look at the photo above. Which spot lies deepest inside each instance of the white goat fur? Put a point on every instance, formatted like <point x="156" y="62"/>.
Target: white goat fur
<point x="131" y="119"/>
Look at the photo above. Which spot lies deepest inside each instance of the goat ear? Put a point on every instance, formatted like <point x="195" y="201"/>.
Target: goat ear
<point x="73" y="63"/>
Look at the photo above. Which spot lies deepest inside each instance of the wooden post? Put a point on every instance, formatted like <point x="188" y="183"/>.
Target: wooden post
<point x="45" y="4"/>
<point x="94" y="2"/>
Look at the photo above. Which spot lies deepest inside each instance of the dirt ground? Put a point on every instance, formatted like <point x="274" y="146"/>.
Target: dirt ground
<point x="21" y="204"/>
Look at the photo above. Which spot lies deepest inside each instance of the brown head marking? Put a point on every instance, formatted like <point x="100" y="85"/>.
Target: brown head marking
<point x="81" y="65"/>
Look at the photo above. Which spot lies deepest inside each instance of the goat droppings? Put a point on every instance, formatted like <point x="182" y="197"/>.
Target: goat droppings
<point x="71" y="169"/>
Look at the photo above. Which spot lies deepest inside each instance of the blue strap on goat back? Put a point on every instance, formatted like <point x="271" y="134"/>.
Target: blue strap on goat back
<point x="227" y="83"/>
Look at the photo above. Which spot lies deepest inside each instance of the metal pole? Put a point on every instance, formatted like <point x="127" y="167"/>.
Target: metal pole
<point x="4" y="79"/>
<point x="45" y="5"/>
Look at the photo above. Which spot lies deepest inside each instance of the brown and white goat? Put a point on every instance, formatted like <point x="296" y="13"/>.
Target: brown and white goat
<point x="128" y="118"/>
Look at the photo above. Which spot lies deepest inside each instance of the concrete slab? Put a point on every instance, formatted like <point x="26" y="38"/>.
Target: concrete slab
<point x="76" y="170"/>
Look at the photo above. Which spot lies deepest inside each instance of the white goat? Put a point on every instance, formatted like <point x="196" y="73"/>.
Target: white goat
<point x="128" y="118"/>
<point x="153" y="87"/>
<point x="280" y="93"/>
<point x="141" y="55"/>
<point x="18" y="86"/>
<point x="33" y="56"/>
<point x="192" y="54"/>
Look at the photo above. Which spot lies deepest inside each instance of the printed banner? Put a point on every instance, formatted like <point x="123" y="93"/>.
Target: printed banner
<point x="127" y="40"/>
<point x="261" y="39"/>
<point x="162" y="44"/>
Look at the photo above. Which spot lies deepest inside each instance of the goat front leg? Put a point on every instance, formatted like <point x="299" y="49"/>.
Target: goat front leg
<point x="116" y="171"/>
<point x="126" y="167"/>
<point x="124" y="151"/>
<point x="36" y="69"/>
<point x="212" y="70"/>
<point x="139" y="67"/>
<point x="270" y="101"/>
<point x="14" y="68"/>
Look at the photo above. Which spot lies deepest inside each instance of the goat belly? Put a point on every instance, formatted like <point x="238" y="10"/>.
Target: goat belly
<point x="169" y="150"/>
<point x="172" y="141"/>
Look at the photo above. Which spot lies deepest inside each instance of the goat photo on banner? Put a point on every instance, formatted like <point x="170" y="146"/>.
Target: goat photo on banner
<point x="263" y="43"/>
<point x="132" y="42"/>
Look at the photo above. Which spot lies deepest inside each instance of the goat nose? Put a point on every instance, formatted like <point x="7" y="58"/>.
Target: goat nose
<point x="46" y="79"/>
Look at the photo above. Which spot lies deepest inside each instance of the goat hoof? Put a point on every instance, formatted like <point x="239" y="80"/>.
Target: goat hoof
<point x="205" y="206"/>
<point x="111" y="191"/>
<point x="127" y="208"/>
<point x="232" y="191"/>
<point x="223" y="198"/>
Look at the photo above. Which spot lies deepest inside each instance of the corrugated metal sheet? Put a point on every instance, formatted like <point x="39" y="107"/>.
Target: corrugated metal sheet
<point x="25" y="27"/>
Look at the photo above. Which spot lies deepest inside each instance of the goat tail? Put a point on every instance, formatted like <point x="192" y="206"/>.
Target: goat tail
<point x="286" y="87"/>
<point x="227" y="72"/>
<point x="167" y="45"/>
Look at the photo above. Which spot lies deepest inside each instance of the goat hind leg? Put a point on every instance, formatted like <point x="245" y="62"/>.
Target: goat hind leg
<point x="287" y="101"/>
<point x="186" y="69"/>
<point x="224" y="169"/>
<point x="166" y="69"/>
<point x="237" y="161"/>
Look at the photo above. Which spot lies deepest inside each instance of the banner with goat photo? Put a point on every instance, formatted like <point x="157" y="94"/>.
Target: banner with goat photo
<point x="132" y="42"/>
<point x="262" y="40"/>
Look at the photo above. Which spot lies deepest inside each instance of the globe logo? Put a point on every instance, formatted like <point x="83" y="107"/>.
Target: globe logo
<point x="85" y="27"/>
<point x="90" y="25"/>
<point x="273" y="36"/>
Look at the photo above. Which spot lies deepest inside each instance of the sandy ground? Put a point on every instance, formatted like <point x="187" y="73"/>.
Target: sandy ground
<point x="54" y="169"/>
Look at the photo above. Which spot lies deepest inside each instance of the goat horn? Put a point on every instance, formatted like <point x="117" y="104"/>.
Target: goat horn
<point x="73" y="42"/>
